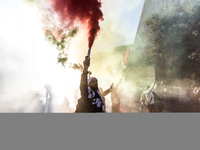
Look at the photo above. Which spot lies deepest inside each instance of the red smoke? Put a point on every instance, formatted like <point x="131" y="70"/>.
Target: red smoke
<point x="86" y="11"/>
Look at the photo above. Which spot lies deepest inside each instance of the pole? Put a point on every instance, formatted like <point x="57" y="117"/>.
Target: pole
<point x="89" y="51"/>
<point x="155" y="74"/>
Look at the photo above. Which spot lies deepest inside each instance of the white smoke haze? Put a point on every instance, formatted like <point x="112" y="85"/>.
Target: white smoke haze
<point x="29" y="62"/>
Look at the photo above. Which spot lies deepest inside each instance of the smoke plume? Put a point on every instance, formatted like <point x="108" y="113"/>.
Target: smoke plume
<point x="86" y="12"/>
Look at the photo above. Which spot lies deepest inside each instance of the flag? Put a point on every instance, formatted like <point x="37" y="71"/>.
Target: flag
<point x="125" y="58"/>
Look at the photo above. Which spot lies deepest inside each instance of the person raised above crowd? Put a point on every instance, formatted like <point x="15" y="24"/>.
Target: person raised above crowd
<point x="91" y="99"/>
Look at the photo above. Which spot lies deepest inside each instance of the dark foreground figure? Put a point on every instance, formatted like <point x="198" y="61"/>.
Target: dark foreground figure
<point x="91" y="99"/>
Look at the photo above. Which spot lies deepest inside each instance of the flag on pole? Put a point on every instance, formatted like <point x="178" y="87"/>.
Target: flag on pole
<point x="125" y="58"/>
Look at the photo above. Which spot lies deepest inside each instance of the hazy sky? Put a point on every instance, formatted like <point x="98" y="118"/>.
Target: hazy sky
<point x="121" y="19"/>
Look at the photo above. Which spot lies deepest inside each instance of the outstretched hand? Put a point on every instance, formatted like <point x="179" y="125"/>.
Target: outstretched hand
<point x="111" y="86"/>
<point x="86" y="62"/>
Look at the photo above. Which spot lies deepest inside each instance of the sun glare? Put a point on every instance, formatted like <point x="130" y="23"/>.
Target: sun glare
<point x="40" y="57"/>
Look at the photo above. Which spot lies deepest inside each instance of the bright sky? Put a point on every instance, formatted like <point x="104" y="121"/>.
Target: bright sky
<point x="122" y="16"/>
<point x="24" y="50"/>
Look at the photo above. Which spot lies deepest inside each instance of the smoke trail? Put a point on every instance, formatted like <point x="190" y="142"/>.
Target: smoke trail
<point x="87" y="12"/>
<point x="61" y="42"/>
<point x="60" y="37"/>
<point x="77" y="66"/>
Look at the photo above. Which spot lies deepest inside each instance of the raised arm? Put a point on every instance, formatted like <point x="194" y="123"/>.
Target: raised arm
<point x="84" y="84"/>
<point x="151" y="89"/>
<point x="195" y="90"/>
<point x="106" y="92"/>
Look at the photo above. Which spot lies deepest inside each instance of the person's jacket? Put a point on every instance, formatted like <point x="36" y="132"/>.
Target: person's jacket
<point x="87" y="95"/>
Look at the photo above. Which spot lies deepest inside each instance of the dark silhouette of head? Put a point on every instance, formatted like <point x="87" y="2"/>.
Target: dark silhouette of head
<point x="93" y="83"/>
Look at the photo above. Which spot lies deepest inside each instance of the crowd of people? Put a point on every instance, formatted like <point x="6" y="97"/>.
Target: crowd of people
<point x="155" y="98"/>
<point x="178" y="97"/>
<point x="93" y="97"/>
